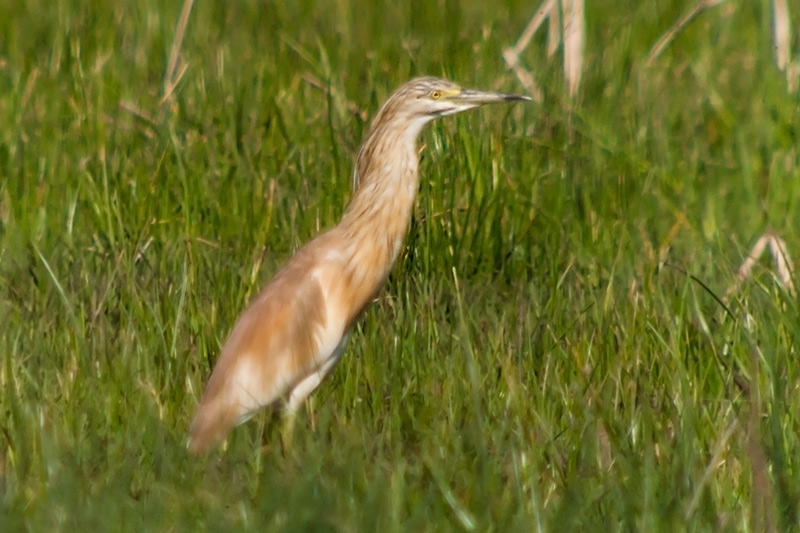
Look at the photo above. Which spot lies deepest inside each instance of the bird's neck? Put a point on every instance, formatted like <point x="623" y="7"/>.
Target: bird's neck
<point x="377" y="218"/>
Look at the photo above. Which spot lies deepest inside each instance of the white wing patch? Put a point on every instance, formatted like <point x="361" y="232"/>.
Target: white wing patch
<point x="248" y="389"/>
<point x="328" y="335"/>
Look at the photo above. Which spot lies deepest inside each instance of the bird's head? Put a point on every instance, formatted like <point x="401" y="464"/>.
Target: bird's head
<point x="427" y="98"/>
<point x="398" y="123"/>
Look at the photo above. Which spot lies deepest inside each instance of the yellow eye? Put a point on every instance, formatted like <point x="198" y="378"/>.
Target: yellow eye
<point x="436" y="94"/>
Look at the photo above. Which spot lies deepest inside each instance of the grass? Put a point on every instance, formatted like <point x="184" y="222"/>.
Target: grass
<point x="540" y="359"/>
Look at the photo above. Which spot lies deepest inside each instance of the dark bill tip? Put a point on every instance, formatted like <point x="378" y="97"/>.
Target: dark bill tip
<point x="516" y="98"/>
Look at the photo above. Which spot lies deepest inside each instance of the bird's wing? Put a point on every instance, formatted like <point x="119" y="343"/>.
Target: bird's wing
<point x="289" y="331"/>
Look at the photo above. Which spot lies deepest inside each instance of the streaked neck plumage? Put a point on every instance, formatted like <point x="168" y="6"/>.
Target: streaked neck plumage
<point x="386" y="180"/>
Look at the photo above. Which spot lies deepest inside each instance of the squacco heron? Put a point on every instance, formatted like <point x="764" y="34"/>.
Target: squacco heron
<point x="294" y="332"/>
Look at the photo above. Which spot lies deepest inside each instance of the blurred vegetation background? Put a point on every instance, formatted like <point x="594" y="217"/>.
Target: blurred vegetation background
<point x="555" y="349"/>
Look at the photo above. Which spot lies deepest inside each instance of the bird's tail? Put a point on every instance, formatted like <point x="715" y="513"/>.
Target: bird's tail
<point x="211" y="424"/>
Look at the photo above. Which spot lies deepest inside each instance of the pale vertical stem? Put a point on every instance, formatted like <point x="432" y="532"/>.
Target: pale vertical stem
<point x="573" y="43"/>
<point x="171" y="79"/>
<point x="781" y="32"/>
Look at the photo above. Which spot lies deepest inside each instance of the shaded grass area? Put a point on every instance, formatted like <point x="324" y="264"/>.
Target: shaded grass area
<point x="532" y="363"/>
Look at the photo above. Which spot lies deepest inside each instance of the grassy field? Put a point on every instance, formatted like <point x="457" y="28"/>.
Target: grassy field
<point x="551" y="352"/>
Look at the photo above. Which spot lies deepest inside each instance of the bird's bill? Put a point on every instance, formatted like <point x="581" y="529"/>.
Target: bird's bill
<point x="473" y="97"/>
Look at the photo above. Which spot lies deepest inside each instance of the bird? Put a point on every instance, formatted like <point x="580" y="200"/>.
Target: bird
<point x="294" y="331"/>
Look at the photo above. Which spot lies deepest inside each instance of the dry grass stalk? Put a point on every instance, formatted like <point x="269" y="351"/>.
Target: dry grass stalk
<point x="171" y="79"/>
<point x="762" y="502"/>
<point x="522" y="74"/>
<point x="781" y="32"/>
<point x="676" y="28"/>
<point x="793" y="75"/>
<point x="553" y="31"/>
<point x="567" y="26"/>
<point x="717" y="460"/>
<point x="780" y="255"/>
<point x="543" y="12"/>
<point x="511" y="55"/>
<point x="573" y="43"/>
<point x="782" y="36"/>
